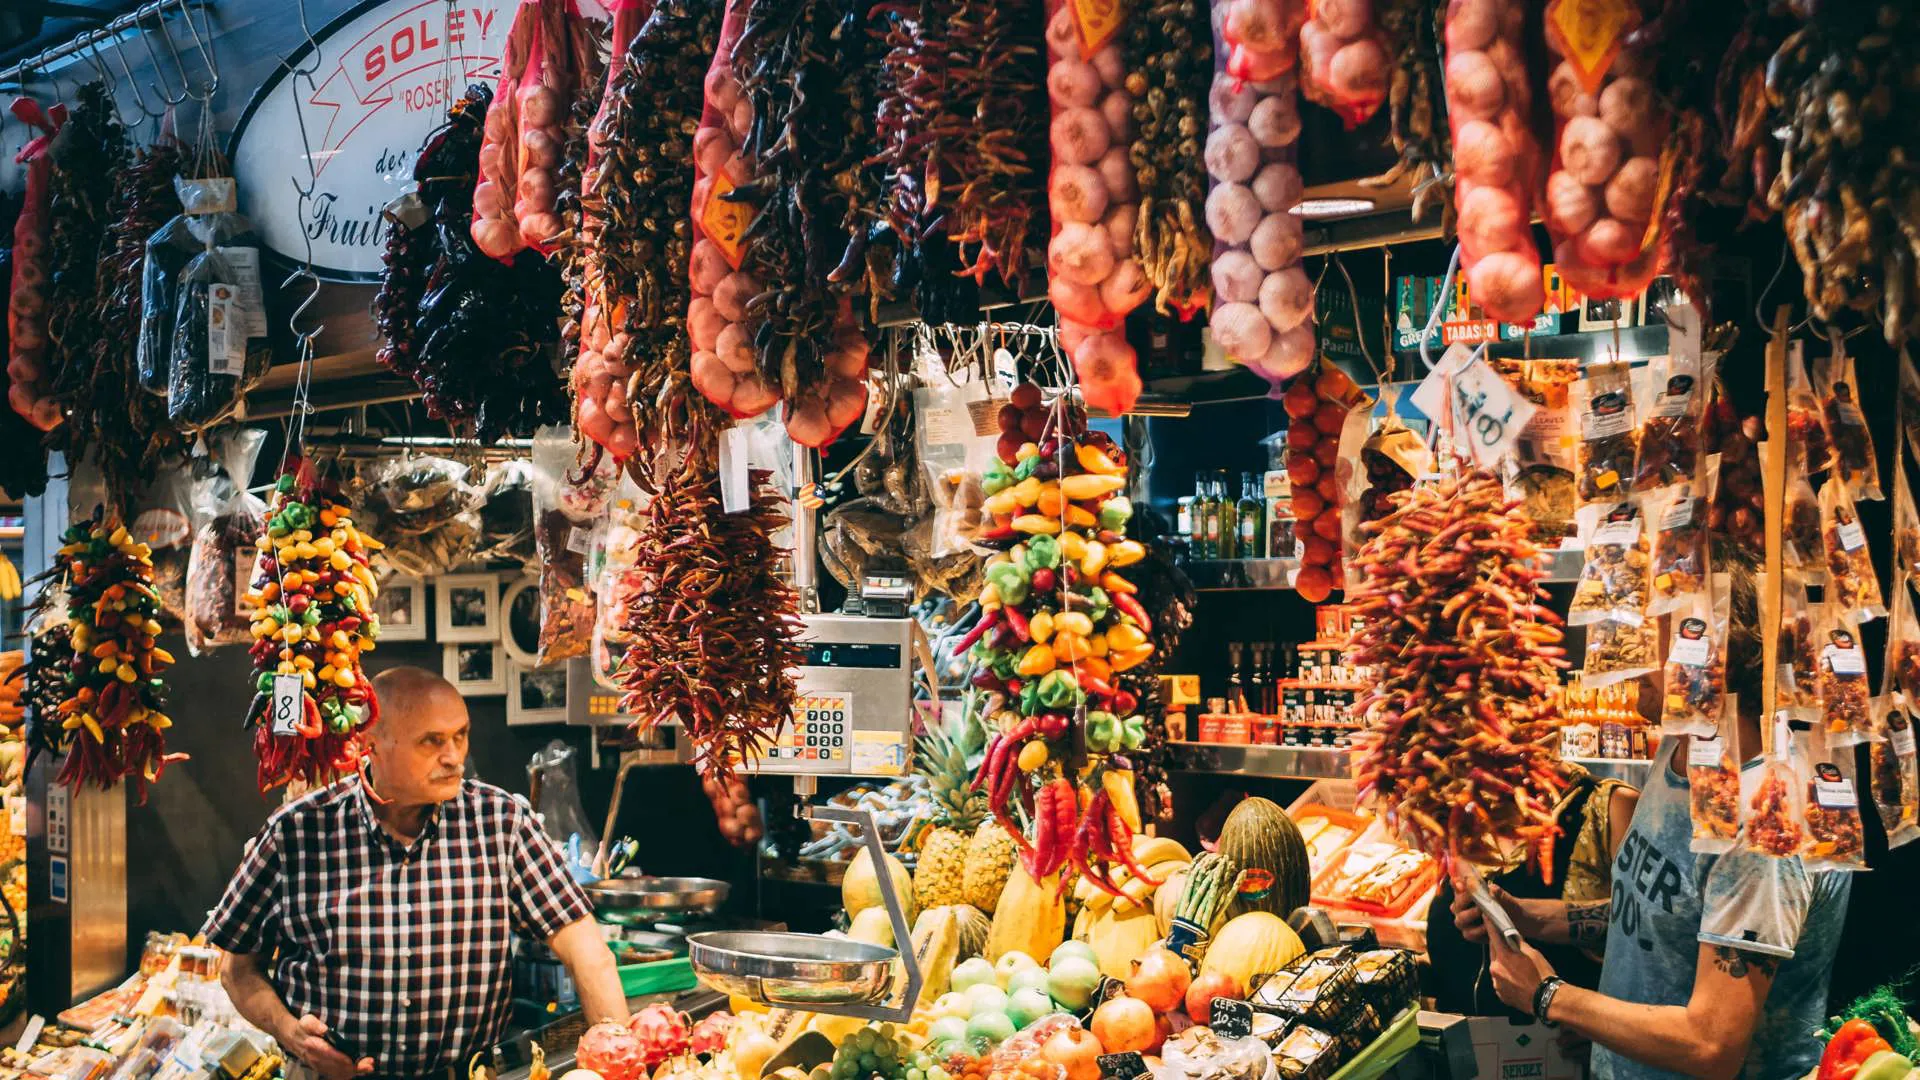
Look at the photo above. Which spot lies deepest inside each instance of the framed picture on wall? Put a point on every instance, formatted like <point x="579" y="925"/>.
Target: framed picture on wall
<point x="402" y="607"/>
<point x="536" y="695"/>
<point x="475" y="668"/>
<point x="466" y="607"/>
<point x="520" y="615"/>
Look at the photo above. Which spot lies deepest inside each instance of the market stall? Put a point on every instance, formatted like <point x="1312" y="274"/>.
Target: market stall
<point x="1092" y="524"/>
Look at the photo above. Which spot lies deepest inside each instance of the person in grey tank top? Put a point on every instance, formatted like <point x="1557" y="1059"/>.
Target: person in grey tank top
<point x="1715" y="965"/>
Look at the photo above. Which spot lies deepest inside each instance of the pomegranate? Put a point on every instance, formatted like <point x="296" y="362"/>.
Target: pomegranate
<point x="1076" y="1051"/>
<point x="1126" y="1023"/>
<point x="1204" y="989"/>
<point x="1160" y="978"/>
<point x="611" y="1050"/>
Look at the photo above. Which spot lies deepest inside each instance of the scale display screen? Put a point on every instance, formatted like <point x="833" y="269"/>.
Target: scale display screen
<point x="851" y="654"/>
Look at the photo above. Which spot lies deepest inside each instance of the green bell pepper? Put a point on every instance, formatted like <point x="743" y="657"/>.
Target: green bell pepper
<point x="1102" y="732"/>
<point x="1133" y="733"/>
<point x="1026" y="467"/>
<point x="1030" y="697"/>
<point x="1116" y="512"/>
<point x="1043" y="553"/>
<point x="1005" y="664"/>
<point x="998" y="478"/>
<point x="1101" y="604"/>
<point x="1059" y="690"/>
<point x="1010" y="580"/>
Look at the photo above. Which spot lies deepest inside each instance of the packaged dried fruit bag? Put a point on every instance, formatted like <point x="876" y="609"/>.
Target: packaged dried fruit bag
<point x="1496" y="160"/>
<point x="1343" y="54"/>
<point x="1799" y="663"/>
<point x="1908" y="409"/>
<point x="1602" y="195"/>
<point x="1695" y="684"/>
<point x="1894" y="771"/>
<point x="1772" y="801"/>
<point x="1901" y="672"/>
<point x="1841" y="685"/>
<point x="1609" y="445"/>
<point x="1800" y="534"/>
<point x="1092" y="281"/>
<point x="1678" y="516"/>
<point x="1906" y="528"/>
<point x="1618" y="651"/>
<point x="1713" y="791"/>
<point x="1854" y="461"/>
<point x="1263" y="300"/>
<point x="1615" y="582"/>
<point x="1851" y="584"/>
<point x="1806" y="428"/>
<point x="1835" y="838"/>
<point x="1673" y="435"/>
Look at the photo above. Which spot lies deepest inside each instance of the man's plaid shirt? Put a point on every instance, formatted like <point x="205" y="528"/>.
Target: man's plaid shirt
<point x="404" y="950"/>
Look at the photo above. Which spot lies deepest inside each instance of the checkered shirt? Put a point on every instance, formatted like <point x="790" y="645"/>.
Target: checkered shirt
<point x="404" y="949"/>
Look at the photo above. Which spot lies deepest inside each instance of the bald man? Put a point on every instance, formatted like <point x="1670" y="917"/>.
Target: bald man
<point x="368" y="927"/>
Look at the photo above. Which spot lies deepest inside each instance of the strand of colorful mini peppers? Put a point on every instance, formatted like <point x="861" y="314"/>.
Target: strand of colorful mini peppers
<point x="1057" y="621"/>
<point x="312" y="595"/>
<point x="111" y="725"/>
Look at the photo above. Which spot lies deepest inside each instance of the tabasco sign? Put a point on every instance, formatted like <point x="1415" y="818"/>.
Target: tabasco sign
<point x="387" y="72"/>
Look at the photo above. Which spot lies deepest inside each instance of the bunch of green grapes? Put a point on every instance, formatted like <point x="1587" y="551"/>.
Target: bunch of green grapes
<point x="925" y="1066"/>
<point x="873" y="1052"/>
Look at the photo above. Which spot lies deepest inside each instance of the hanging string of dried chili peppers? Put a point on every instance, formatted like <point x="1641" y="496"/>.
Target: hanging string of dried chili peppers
<point x="312" y="596"/>
<point x="111" y="723"/>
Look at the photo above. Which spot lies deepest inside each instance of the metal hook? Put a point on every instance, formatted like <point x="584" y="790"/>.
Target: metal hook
<point x="133" y="84"/>
<point x="107" y="83"/>
<point x="313" y="46"/>
<point x="146" y="39"/>
<point x="206" y="56"/>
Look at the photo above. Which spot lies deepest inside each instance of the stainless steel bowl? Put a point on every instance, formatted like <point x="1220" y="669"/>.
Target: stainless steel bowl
<point x="792" y="969"/>
<point x="661" y="895"/>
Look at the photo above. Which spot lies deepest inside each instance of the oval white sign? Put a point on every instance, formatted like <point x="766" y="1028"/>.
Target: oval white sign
<point x="387" y="72"/>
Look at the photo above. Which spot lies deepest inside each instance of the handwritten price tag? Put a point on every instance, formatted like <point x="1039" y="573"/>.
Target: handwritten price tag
<point x="286" y="705"/>
<point x="1487" y="416"/>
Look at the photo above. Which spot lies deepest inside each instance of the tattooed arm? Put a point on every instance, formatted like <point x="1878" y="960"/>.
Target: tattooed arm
<point x="1708" y="1036"/>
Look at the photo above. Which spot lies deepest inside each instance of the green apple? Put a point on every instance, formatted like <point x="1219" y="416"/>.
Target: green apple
<point x="953" y="1003"/>
<point x="986" y="997"/>
<point x="1072" y="982"/>
<point x="1011" y="964"/>
<point x="973" y="972"/>
<point x="1033" y="978"/>
<point x="994" y="1026"/>
<point x="948" y="1028"/>
<point x="1072" y="948"/>
<point x="1026" y="1006"/>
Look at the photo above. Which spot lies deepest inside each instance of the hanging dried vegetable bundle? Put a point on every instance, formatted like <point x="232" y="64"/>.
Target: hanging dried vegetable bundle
<point x="111" y="720"/>
<point x="109" y="411"/>
<point x="998" y="207"/>
<point x="23" y="469"/>
<point x="87" y="158"/>
<point x="570" y="257"/>
<point x="1842" y="90"/>
<point x="28" y="389"/>
<point x="1343" y="58"/>
<point x="924" y="119"/>
<point x="475" y="333"/>
<point x="548" y="52"/>
<point x="1496" y="159"/>
<point x="312" y="595"/>
<point x="712" y="621"/>
<point x="637" y="241"/>
<point x="799" y="67"/>
<point x="1416" y="103"/>
<point x="1167" y="47"/>
<point x="1461" y="751"/>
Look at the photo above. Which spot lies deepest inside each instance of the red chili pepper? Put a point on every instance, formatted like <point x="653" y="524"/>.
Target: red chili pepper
<point x="1130" y="606"/>
<point x="987" y="622"/>
<point x="986" y="763"/>
<point x="1018" y="623"/>
<point x="310" y="726"/>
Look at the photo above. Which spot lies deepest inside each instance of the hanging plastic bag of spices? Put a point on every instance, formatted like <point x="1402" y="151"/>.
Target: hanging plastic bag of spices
<point x="1615" y="582"/>
<point x="1799" y="665"/>
<point x="229" y="521"/>
<point x="1806" y="429"/>
<point x="1673" y="435"/>
<point x="560" y="544"/>
<point x="1895" y="772"/>
<point x="1906" y="528"/>
<point x="213" y="360"/>
<point x="1679" y="519"/>
<point x="1851" y="584"/>
<point x="1901" y="672"/>
<point x="1835" y="839"/>
<point x="163" y="520"/>
<point x="1908" y="408"/>
<point x="1772" y="798"/>
<point x="1853" y="458"/>
<point x="610" y="563"/>
<point x="1841" y="685"/>
<point x="1800" y="540"/>
<point x="1713" y="786"/>
<point x="1618" y="651"/>
<point x="1543" y="458"/>
<point x="1696" y="675"/>
<point x="1608" y="444"/>
<point x="206" y="217"/>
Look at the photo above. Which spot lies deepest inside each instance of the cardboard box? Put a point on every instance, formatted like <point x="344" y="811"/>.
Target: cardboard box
<point x="1504" y="1050"/>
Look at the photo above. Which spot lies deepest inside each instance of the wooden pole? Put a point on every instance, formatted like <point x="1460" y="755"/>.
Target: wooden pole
<point x="1773" y="520"/>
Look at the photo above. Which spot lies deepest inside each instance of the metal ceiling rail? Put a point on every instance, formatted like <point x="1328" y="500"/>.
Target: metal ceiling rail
<point x="155" y="9"/>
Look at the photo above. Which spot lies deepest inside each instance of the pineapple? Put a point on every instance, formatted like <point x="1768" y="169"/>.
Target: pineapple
<point x="938" y="879"/>
<point x="990" y="859"/>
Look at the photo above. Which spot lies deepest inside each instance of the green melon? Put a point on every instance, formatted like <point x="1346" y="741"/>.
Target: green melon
<point x="1259" y="836"/>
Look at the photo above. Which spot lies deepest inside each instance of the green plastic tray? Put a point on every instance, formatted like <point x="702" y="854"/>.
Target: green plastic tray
<point x="1380" y="1055"/>
<point x="658" y="977"/>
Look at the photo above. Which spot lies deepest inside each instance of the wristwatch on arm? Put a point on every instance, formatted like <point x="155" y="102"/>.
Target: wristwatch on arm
<point x="1543" y="998"/>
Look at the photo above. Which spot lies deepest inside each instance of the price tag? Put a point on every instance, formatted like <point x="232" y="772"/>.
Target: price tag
<point x="1852" y="537"/>
<point x="286" y="705"/>
<point x="1487" y="415"/>
<point x="1006" y="372"/>
<point x="579" y="541"/>
<point x="1703" y="753"/>
<point x="726" y="222"/>
<point x="1901" y="739"/>
<point x="1623" y="531"/>
<point x="736" y="488"/>
<point x="1231" y="1019"/>
<point x="1678" y="515"/>
<point x="1844" y="659"/>
<point x="1124" y="1066"/>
